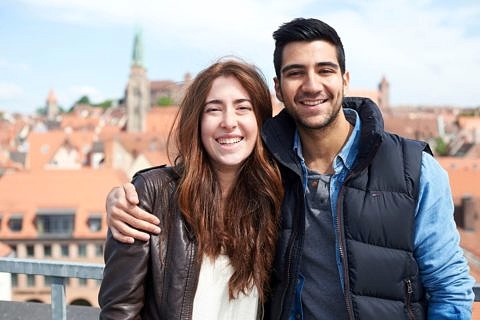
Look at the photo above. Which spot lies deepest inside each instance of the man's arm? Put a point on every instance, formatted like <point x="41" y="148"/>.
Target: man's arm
<point x="125" y="219"/>
<point x="443" y="268"/>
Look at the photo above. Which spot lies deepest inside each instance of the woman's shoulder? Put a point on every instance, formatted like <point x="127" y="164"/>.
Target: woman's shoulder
<point x="158" y="174"/>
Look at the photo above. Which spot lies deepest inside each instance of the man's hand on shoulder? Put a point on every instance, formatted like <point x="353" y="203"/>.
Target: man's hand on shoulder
<point x="125" y="219"/>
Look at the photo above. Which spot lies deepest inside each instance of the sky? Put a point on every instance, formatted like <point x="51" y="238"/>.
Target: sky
<point x="429" y="51"/>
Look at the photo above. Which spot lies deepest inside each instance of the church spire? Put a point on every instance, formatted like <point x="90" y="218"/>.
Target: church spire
<point x="137" y="55"/>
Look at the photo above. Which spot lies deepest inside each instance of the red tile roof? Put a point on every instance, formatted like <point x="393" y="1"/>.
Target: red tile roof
<point x="83" y="191"/>
<point x="464" y="174"/>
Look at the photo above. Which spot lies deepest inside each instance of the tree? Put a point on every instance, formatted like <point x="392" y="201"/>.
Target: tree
<point x="105" y="104"/>
<point x="41" y="111"/>
<point x="441" y="148"/>
<point x="165" y="101"/>
<point x="83" y="100"/>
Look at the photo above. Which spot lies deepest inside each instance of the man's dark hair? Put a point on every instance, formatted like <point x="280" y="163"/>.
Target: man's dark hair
<point x="302" y="29"/>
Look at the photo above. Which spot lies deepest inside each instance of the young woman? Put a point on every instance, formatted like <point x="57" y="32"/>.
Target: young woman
<point x="218" y="208"/>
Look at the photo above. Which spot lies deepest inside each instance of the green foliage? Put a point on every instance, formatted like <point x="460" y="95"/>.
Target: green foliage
<point x="105" y="104"/>
<point x="441" y="148"/>
<point x="84" y="100"/>
<point x="41" y="111"/>
<point x="165" y="101"/>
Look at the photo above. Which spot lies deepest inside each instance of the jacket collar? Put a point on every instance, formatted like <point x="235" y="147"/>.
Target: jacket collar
<point x="278" y="134"/>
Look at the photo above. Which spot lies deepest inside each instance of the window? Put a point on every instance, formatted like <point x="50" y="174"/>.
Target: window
<point x="55" y="223"/>
<point x="30" y="250"/>
<point x="95" y="223"/>
<point x="82" y="250"/>
<point x="15" y="222"/>
<point x="47" y="250"/>
<point x="99" y="250"/>
<point x="64" y="249"/>
<point x="14" y="280"/>
<point x="30" y="280"/>
<point x="82" y="282"/>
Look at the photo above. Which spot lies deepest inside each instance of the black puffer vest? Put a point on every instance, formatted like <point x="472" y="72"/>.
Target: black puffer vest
<point x="375" y="226"/>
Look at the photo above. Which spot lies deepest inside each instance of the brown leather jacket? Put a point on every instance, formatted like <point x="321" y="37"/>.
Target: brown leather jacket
<point x="156" y="279"/>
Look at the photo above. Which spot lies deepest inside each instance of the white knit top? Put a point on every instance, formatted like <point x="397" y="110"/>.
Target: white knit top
<point x="211" y="298"/>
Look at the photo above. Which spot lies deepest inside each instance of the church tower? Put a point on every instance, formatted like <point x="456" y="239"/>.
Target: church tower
<point x="52" y="106"/>
<point x="138" y="89"/>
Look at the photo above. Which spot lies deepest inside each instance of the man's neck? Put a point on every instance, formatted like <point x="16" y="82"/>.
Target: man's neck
<point x="321" y="146"/>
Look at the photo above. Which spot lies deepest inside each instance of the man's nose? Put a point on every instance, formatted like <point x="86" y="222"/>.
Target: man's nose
<point x="312" y="83"/>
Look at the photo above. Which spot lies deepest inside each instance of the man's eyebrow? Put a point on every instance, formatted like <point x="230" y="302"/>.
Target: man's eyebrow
<point x="292" y="66"/>
<point x="328" y="64"/>
<point x="300" y="66"/>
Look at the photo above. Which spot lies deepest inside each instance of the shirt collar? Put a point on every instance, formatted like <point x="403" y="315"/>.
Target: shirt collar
<point x="349" y="152"/>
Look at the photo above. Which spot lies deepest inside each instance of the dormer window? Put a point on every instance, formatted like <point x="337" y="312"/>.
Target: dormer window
<point x="55" y="222"/>
<point x="95" y="222"/>
<point x="15" y="222"/>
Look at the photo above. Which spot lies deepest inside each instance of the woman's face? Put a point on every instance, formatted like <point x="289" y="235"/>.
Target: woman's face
<point x="229" y="127"/>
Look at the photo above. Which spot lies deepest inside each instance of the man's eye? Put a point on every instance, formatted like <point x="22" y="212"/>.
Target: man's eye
<point x="326" y="71"/>
<point x="294" y="73"/>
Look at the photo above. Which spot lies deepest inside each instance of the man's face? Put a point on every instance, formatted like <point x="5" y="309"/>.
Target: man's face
<point x="311" y="84"/>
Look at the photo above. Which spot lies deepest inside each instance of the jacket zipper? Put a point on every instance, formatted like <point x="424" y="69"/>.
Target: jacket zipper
<point x="408" y="302"/>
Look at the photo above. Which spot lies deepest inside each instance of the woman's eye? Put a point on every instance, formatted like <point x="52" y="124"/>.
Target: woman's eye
<point x="211" y="109"/>
<point x="244" y="108"/>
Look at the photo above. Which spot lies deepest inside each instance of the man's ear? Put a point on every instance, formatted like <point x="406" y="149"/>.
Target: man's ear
<point x="346" y="81"/>
<point x="278" y="91"/>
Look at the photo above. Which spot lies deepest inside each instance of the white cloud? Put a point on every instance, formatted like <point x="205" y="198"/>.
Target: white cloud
<point x="430" y="52"/>
<point x="10" y="91"/>
<point x="424" y="52"/>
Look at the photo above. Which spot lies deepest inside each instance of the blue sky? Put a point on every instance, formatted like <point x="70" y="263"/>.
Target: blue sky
<point x="428" y="50"/>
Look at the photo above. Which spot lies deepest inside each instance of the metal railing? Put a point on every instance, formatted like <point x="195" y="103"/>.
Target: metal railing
<point x="59" y="271"/>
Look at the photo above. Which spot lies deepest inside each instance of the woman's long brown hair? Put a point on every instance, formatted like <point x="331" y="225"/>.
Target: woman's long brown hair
<point x="246" y="227"/>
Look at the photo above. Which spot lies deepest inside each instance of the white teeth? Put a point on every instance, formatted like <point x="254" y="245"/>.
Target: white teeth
<point x="229" y="140"/>
<point x="313" y="102"/>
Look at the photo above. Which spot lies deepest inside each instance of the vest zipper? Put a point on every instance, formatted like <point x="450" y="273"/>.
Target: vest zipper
<point x="289" y="269"/>
<point x="289" y="277"/>
<point x="342" y="246"/>
<point x="408" y="302"/>
<point x="341" y="238"/>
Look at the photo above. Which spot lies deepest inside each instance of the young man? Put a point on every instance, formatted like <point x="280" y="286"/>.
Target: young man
<point x="367" y="226"/>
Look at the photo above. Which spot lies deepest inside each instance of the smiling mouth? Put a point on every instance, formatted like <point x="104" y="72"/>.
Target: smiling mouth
<point x="229" y="141"/>
<point x="313" y="103"/>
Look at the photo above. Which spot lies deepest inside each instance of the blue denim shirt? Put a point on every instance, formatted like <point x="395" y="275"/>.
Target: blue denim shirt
<point x="443" y="269"/>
